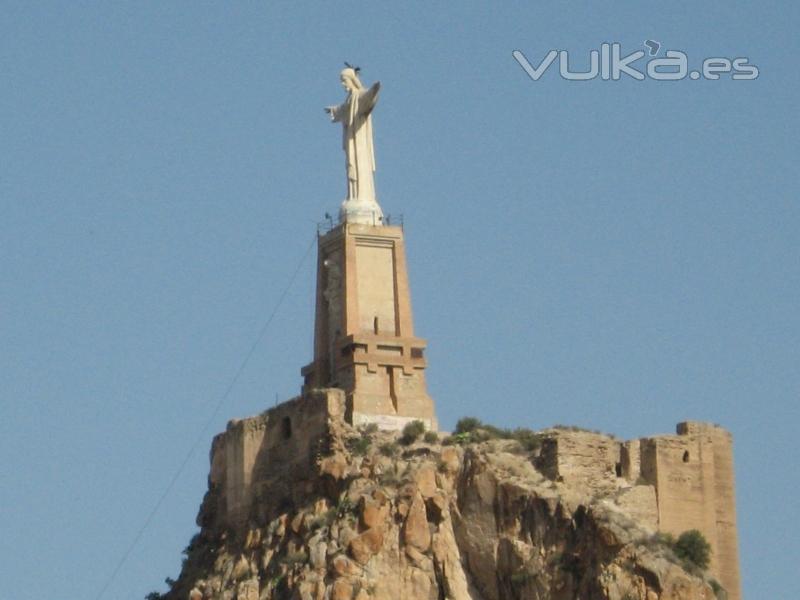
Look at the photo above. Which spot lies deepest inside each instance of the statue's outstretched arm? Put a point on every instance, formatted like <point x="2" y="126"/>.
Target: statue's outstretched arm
<point x="335" y="112"/>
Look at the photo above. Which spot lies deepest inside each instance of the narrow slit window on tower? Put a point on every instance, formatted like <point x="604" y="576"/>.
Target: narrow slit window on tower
<point x="375" y="324"/>
<point x="686" y="456"/>
<point x="286" y="428"/>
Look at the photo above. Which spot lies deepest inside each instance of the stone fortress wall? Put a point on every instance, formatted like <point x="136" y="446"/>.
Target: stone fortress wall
<point x="667" y="483"/>
<point x="254" y="460"/>
<point x="670" y="483"/>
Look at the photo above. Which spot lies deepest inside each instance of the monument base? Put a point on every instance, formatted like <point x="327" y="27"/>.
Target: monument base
<point x="389" y="422"/>
<point x="365" y="212"/>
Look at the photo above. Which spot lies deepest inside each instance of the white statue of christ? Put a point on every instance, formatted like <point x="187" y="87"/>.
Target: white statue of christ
<point x="355" y="115"/>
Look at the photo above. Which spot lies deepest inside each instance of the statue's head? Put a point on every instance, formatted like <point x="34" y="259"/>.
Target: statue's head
<point x="350" y="80"/>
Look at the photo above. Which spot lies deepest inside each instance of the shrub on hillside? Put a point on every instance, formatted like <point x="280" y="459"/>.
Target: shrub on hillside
<point x="466" y="425"/>
<point x="692" y="547"/>
<point x="411" y="432"/>
<point x="359" y="445"/>
<point x="528" y="439"/>
<point x="388" y="449"/>
<point x="430" y="437"/>
<point x="470" y="429"/>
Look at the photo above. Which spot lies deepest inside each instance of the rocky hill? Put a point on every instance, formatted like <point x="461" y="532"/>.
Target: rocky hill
<point x="377" y="517"/>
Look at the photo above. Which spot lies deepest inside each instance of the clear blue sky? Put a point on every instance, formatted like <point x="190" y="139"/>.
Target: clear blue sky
<point x="620" y="256"/>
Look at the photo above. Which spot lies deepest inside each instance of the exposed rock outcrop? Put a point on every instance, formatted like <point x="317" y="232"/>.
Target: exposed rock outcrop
<point x="383" y="521"/>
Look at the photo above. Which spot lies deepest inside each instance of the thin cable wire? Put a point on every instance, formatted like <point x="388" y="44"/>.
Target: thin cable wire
<point x="201" y="435"/>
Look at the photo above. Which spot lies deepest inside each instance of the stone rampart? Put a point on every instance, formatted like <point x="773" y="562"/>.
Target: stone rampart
<point x="672" y="483"/>
<point x="256" y="459"/>
<point x="669" y="483"/>
<point x="580" y="458"/>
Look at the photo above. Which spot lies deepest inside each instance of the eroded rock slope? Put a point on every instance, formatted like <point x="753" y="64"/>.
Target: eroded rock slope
<point x="380" y="520"/>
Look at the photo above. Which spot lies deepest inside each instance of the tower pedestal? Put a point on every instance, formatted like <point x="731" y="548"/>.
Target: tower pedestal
<point x="364" y="212"/>
<point x="364" y="339"/>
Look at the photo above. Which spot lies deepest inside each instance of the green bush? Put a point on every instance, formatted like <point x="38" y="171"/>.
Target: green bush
<point x="388" y="449"/>
<point x="577" y="429"/>
<point x="458" y="438"/>
<point x="411" y="432"/>
<point x="484" y="433"/>
<point x="470" y="429"/>
<point x="528" y="439"/>
<point x="431" y="437"/>
<point x="467" y="424"/>
<point x="359" y="446"/>
<point x="692" y="547"/>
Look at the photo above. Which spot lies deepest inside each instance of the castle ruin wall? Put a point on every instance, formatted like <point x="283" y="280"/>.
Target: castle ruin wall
<point x="255" y="458"/>
<point x="673" y="483"/>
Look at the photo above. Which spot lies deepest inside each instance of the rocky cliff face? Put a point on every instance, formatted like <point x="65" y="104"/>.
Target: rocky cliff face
<point x="381" y="520"/>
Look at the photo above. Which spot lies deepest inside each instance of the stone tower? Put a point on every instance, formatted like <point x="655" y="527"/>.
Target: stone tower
<point x="364" y="339"/>
<point x="693" y="476"/>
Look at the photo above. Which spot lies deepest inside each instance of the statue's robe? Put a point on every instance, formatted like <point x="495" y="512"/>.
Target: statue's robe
<point x="355" y="114"/>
